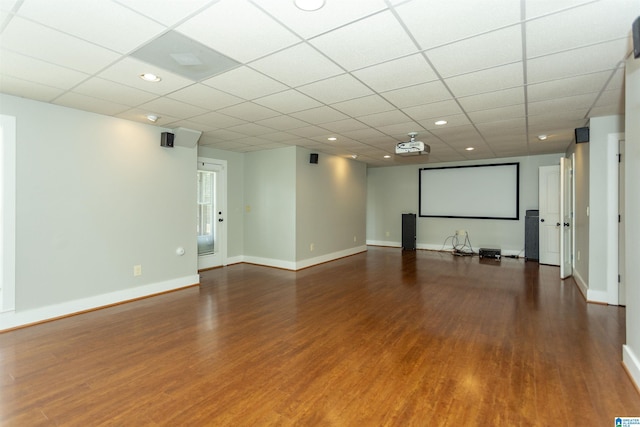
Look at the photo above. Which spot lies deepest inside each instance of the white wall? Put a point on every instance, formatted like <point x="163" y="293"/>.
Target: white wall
<point x="392" y="191"/>
<point x="234" y="217"/>
<point x="95" y="196"/>
<point x="330" y="207"/>
<point x="631" y="351"/>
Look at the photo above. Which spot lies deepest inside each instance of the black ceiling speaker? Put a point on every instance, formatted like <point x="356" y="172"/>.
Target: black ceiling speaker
<point x="582" y="135"/>
<point x="313" y="158"/>
<point x="636" y="37"/>
<point x="166" y="139"/>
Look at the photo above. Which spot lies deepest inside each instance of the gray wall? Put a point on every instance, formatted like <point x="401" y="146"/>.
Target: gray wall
<point x="392" y="191"/>
<point x="95" y="196"/>
<point x="631" y="353"/>
<point x="330" y="204"/>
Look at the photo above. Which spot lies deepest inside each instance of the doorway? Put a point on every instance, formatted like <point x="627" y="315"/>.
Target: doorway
<point x="549" y="205"/>
<point x="211" y="213"/>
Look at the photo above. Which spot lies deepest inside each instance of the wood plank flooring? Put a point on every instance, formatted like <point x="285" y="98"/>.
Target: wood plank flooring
<point x="383" y="338"/>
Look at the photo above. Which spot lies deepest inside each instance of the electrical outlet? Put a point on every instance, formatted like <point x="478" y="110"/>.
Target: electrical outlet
<point x="578" y="255"/>
<point x="311" y="247"/>
<point x="355" y="239"/>
<point x="386" y="233"/>
<point x="137" y="270"/>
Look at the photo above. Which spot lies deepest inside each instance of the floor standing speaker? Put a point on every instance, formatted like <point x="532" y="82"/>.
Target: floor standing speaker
<point x="409" y="232"/>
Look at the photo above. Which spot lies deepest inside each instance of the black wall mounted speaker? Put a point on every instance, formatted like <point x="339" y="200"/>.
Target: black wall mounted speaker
<point x="313" y="158"/>
<point x="636" y="37"/>
<point x="582" y="135"/>
<point x="166" y="139"/>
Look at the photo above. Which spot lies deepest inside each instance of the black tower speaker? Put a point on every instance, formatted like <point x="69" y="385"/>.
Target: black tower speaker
<point x="166" y="139"/>
<point x="636" y="37"/>
<point x="313" y="158"/>
<point x="582" y="135"/>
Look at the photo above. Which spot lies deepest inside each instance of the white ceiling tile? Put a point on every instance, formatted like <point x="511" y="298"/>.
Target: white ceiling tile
<point x="7" y="5"/>
<point x="304" y="65"/>
<point x="484" y="51"/>
<point x="385" y="118"/>
<point x="580" y="26"/>
<point x="560" y="105"/>
<point x="87" y="103"/>
<point x="600" y="57"/>
<point x="453" y="120"/>
<point x="288" y="101"/>
<point x="52" y="46"/>
<point x="504" y="77"/>
<point x="283" y="122"/>
<point x="238" y="30"/>
<point x="503" y="127"/>
<point x="611" y="97"/>
<point x="500" y="98"/>
<point x="539" y="8"/>
<point x="407" y="71"/>
<point x="189" y="124"/>
<point x="364" y="134"/>
<point x="330" y="16"/>
<point x="336" y="89"/>
<point x="366" y="47"/>
<point x="309" y="131"/>
<point x="249" y="111"/>
<point x="114" y="92"/>
<point x="28" y="89"/>
<point x="570" y="86"/>
<point x="168" y="12"/>
<point x="104" y="23"/>
<point x="497" y="114"/>
<point x="344" y="125"/>
<point x="424" y="93"/>
<point x="223" y="135"/>
<point x="204" y="97"/>
<point x="434" y="110"/>
<point x="128" y="71"/>
<point x="402" y="129"/>
<point x="169" y="107"/>
<point x="280" y="136"/>
<point x="363" y="106"/>
<point x="217" y="120"/>
<point x="140" y="115"/>
<point x="607" y="110"/>
<point x="245" y="83"/>
<point x="320" y="115"/>
<point x="442" y="22"/>
<point x="30" y="69"/>
<point x="250" y="129"/>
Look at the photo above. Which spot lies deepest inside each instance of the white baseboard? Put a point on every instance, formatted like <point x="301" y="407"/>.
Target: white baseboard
<point x="601" y="297"/>
<point x="582" y="285"/>
<point x="384" y="243"/>
<point x="14" y="319"/>
<point x="234" y="260"/>
<point x="297" y="265"/>
<point x="632" y="364"/>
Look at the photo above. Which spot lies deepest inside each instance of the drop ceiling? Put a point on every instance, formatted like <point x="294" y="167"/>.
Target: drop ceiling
<point x="367" y="72"/>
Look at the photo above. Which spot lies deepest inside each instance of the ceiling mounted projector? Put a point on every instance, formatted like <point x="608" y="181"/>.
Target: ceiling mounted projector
<point x="412" y="147"/>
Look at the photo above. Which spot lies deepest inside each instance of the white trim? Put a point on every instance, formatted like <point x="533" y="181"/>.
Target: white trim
<point x="15" y="319"/>
<point x="221" y="164"/>
<point x="329" y="257"/>
<point x="8" y="213"/>
<point x="611" y="261"/>
<point x="582" y="285"/>
<point x="632" y="363"/>
<point x="597" y="296"/>
<point x="384" y="243"/>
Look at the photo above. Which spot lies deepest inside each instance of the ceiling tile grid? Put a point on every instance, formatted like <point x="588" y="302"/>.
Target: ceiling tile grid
<point x="367" y="73"/>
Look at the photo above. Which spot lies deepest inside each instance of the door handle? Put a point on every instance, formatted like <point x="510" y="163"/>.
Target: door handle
<point x="220" y="219"/>
<point x="557" y="224"/>
<point x="566" y="224"/>
<point x="541" y="219"/>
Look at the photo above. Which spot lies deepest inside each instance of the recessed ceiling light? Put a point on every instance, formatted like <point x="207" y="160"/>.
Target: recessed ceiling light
<point x="542" y="137"/>
<point x="309" y="5"/>
<point x="469" y="148"/>
<point x="152" y="118"/>
<point x="441" y="122"/>
<point x="150" y="77"/>
<point x="333" y="138"/>
<point x="386" y="156"/>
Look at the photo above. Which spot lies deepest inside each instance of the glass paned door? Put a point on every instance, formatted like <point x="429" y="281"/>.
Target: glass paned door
<point x="206" y="212"/>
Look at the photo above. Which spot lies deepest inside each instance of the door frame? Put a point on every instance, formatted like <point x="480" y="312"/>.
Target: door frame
<point x="566" y="217"/>
<point x="212" y="261"/>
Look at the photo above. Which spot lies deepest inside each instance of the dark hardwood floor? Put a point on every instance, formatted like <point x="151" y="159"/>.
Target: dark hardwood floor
<point x="380" y="338"/>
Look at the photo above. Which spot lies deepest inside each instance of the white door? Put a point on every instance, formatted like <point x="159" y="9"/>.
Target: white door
<point x="622" y="292"/>
<point x="211" y="228"/>
<point x="566" y="214"/>
<point x="549" y="204"/>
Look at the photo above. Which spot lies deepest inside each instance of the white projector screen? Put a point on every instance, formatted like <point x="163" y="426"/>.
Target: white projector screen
<point x="479" y="191"/>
